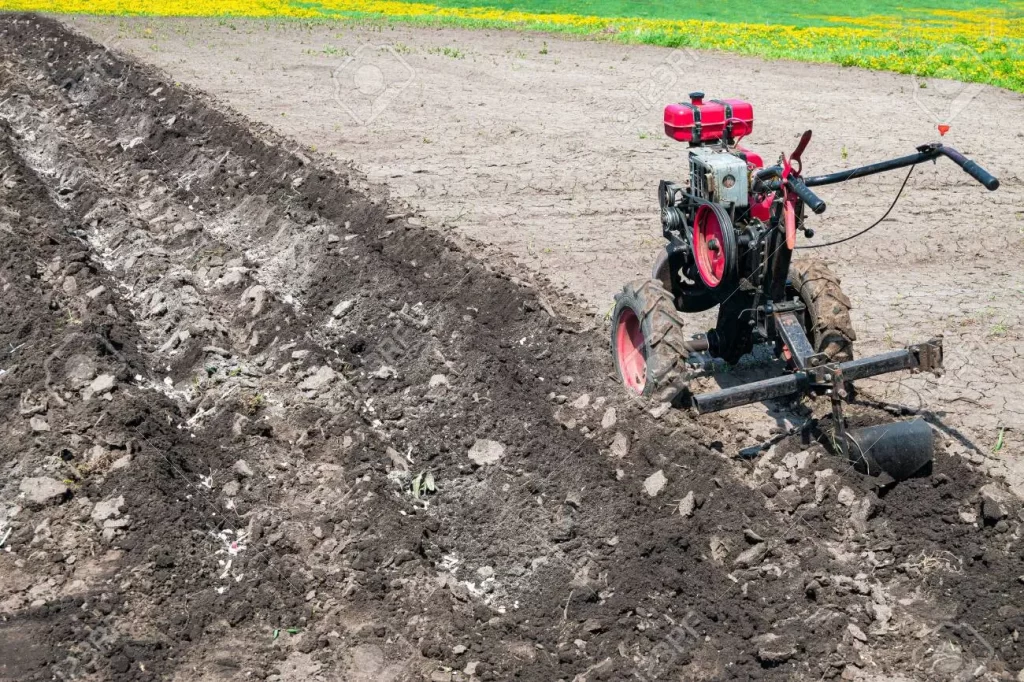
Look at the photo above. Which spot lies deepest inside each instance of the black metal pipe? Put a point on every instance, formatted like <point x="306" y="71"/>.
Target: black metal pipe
<point x="990" y="181"/>
<point x="754" y="392"/>
<point x="874" y="168"/>
<point x="769" y="179"/>
<point x="812" y="200"/>
<point x="697" y="345"/>
<point x="789" y="384"/>
<point x="883" y="363"/>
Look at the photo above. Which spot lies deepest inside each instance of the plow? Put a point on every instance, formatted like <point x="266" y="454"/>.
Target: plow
<point x="731" y="232"/>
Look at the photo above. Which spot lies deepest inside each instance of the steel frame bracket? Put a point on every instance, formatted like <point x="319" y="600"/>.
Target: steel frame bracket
<point x="838" y="394"/>
<point x="928" y="356"/>
<point x="791" y="331"/>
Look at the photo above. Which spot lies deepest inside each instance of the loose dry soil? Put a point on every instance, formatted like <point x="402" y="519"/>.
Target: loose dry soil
<point x="262" y="423"/>
<point x="551" y="150"/>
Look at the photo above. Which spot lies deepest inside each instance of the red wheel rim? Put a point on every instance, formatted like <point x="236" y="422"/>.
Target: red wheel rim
<point x="629" y="347"/>
<point x="710" y="261"/>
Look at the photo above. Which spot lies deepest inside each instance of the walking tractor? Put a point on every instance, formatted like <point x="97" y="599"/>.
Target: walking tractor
<point x="731" y="231"/>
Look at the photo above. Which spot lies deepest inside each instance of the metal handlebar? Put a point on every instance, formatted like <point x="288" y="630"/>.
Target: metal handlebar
<point x="927" y="152"/>
<point x="812" y="200"/>
<point x="770" y="179"/>
<point x="990" y="182"/>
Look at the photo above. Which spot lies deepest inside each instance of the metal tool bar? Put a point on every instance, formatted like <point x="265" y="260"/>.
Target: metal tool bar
<point x="925" y="356"/>
<point x="883" y="363"/>
<point x="697" y="345"/>
<point x="754" y="392"/>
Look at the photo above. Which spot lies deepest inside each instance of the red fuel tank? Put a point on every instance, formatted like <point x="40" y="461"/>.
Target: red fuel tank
<point x="699" y="121"/>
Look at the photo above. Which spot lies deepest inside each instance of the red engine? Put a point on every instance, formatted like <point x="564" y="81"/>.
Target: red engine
<point x="698" y="121"/>
<point x="719" y="169"/>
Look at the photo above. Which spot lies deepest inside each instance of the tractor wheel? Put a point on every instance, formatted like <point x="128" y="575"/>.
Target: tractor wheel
<point x="827" y="319"/>
<point x="648" y="343"/>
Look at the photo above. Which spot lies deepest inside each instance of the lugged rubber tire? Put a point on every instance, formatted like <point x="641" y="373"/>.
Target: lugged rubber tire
<point x="827" y="321"/>
<point x="661" y="340"/>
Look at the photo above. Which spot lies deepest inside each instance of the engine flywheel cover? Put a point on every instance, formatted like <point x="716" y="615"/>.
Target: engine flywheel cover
<point x="714" y="248"/>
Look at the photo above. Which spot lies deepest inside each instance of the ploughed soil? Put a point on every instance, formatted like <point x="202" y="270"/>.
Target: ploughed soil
<point x="549" y="150"/>
<point x="261" y="423"/>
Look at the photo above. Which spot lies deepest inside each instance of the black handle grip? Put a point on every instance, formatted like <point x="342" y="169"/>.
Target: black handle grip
<point x="804" y="192"/>
<point x="990" y="181"/>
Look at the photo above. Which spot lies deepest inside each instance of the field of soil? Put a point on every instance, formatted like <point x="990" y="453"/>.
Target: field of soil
<point x="551" y="150"/>
<point x="266" y="417"/>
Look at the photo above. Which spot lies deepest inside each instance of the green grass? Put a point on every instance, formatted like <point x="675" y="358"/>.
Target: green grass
<point x="973" y="40"/>
<point x="788" y="13"/>
<point x="967" y="40"/>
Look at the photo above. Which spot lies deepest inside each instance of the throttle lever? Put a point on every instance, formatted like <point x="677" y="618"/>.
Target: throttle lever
<point x="805" y="139"/>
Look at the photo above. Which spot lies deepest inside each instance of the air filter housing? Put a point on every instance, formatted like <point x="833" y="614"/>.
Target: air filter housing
<point x="717" y="175"/>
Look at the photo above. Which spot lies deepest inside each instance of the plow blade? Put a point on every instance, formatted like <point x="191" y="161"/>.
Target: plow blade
<point x="899" y="449"/>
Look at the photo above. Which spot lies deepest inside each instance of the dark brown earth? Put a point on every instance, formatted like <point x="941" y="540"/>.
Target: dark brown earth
<point x="278" y="358"/>
<point x="548" y="150"/>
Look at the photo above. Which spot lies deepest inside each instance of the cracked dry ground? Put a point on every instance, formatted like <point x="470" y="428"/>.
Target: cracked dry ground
<point x="226" y="365"/>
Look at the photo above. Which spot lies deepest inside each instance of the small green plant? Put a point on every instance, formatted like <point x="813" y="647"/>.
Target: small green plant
<point x="452" y="52"/>
<point x="843" y="153"/>
<point x="890" y="340"/>
<point x="544" y="50"/>
<point x="999" y="441"/>
<point x="423" y="484"/>
<point x="253" y="403"/>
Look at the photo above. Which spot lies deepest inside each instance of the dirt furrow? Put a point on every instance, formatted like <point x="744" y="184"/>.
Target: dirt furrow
<point x="347" y="450"/>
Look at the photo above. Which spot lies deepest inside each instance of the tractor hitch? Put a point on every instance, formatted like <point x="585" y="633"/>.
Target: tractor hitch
<point x="921" y="357"/>
<point x="899" y="449"/>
